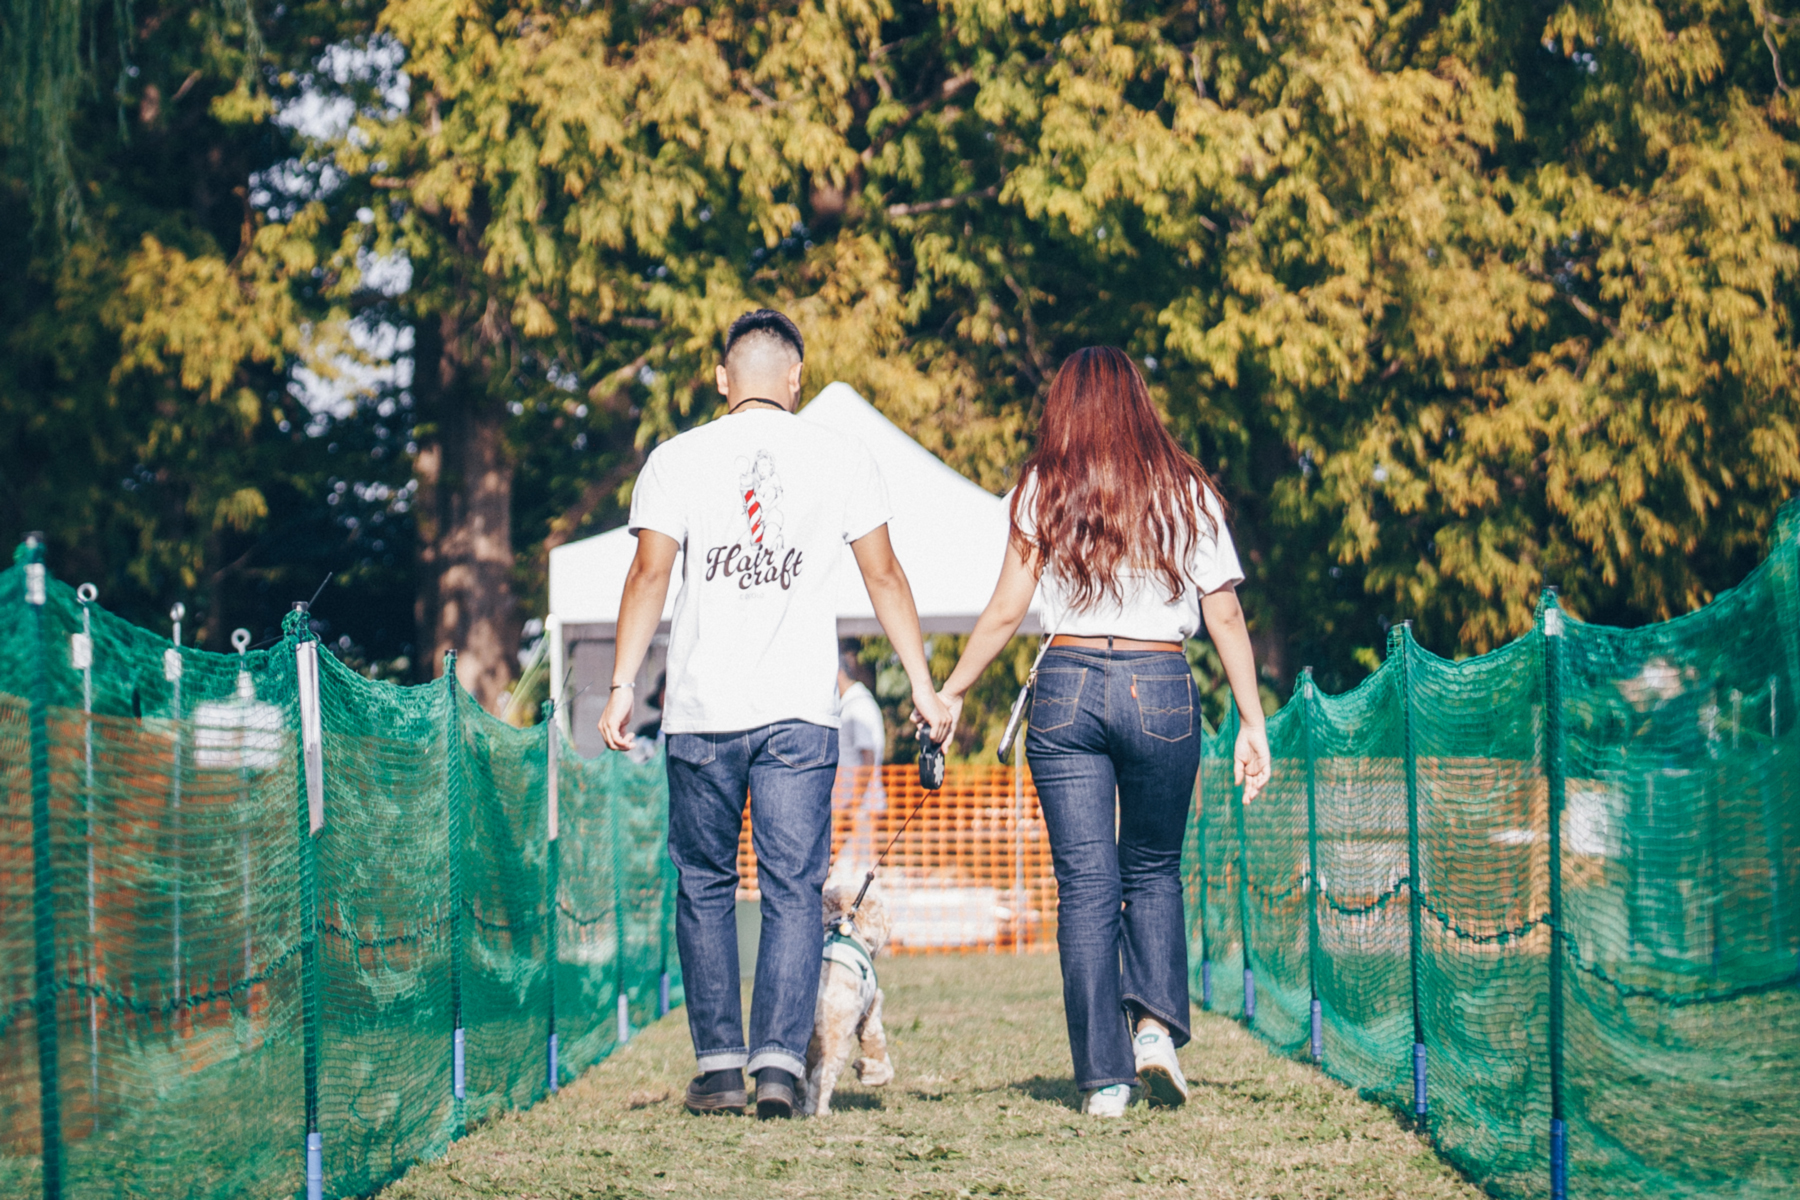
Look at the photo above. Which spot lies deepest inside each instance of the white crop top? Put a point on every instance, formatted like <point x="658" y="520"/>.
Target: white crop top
<point x="1145" y="613"/>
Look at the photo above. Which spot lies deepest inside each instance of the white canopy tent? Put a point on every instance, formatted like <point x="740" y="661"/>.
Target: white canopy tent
<point x="949" y="534"/>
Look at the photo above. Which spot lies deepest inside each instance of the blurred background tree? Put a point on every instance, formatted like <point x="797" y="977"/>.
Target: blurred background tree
<point x="1456" y="300"/>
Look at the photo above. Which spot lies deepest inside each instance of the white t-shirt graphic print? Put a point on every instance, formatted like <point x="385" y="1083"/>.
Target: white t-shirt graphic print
<point x="762" y="504"/>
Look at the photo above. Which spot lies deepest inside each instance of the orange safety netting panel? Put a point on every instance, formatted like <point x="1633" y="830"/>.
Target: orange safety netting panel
<point x="971" y="871"/>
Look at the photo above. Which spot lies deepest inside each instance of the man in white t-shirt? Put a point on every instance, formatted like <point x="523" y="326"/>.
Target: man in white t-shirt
<point x="759" y="505"/>
<point x="862" y="743"/>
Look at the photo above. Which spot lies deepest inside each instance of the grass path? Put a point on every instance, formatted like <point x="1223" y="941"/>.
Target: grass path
<point x="983" y="1105"/>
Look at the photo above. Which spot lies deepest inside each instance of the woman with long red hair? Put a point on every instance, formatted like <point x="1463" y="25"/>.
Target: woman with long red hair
<point x="1126" y="533"/>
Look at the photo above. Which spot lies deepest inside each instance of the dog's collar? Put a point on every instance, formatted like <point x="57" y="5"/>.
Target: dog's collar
<point x="845" y="950"/>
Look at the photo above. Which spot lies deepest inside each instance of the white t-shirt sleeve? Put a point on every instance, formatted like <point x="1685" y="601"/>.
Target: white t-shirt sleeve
<point x="1215" y="562"/>
<point x="654" y="505"/>
<point x="1026" y="525"/>
<point x="865" y="496"/>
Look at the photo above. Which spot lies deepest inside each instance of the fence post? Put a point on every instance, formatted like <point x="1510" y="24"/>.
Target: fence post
<point x="1772" y="839"/>
<point x="1200" y="847"/>
<point x="1555" y="785"/>
<point x="453" y="804"/>
<point x="1312" y="865"/>
<point x="81" y="657"/>
<point x="297" y="627"/>
<point x="552" y="876"/>
<point x="43" y="898"/>
<point x="1237" y="803"/>
<point x="172" y="665"/>
<point x="1420" y="1103"/>
<point x="623" y="1004"/>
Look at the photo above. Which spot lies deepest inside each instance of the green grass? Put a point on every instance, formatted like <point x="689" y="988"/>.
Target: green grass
<point x="983" y="1105"/>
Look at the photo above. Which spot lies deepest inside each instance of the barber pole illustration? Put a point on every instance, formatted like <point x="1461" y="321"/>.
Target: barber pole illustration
<point x="760" y="488"/>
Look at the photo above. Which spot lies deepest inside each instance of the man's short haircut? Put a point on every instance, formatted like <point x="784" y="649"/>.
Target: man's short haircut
<point x="764" y="328"/>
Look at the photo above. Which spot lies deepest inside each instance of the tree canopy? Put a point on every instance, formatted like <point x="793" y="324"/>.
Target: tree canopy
<point x="1458" y="300"/>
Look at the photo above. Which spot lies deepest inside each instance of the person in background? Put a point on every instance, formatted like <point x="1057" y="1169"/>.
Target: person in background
<point x="764" y="504"/>
<point x="862" y="743"/>
<point x="1127" y="533"/>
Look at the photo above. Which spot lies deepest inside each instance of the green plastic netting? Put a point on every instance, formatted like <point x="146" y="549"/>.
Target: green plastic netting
<point x="1539" y="895"/>
<point x="193" y="982"/>
<point x="1600" y="952"/>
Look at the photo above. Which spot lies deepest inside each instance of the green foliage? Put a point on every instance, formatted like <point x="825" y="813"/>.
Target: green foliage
<point x="152" y="316"/>
<point x="1457" y="301"/>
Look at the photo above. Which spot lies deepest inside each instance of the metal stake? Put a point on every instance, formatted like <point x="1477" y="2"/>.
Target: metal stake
<point x="81" y="657"/>
<point x="172" y="672"/>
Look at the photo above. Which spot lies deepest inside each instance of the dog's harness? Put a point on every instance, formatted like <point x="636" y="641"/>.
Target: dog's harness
<point x="846" y="951"/>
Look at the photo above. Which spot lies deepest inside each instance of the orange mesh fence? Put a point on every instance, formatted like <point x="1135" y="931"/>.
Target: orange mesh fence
<point x="970" y="872"/>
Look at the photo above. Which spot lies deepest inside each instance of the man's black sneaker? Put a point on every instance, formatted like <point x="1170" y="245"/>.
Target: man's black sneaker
<point x="774" y="1094"/>
<point x="717" y="1092"/>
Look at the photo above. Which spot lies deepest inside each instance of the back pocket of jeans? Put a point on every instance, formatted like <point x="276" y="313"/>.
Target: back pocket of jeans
<point x="1055" y="697"/>
<point x="694" y="749"/>
<point x="1165" y="705"/>
<point x="801" y="744"/>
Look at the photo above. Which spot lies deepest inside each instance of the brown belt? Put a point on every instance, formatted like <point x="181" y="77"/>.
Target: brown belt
<point x="1112" y="643"/>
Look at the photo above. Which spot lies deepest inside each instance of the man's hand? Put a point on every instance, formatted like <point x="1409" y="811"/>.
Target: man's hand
<point x="1250" y="763"/>
<point x="930" y="712"/>
<point x="616" y="717"/>
<point x="640" y="608"/>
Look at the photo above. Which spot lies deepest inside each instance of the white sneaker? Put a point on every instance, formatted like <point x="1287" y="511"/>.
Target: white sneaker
<point x="1158" y="1070"/>
<point x="1107" y="1101"/>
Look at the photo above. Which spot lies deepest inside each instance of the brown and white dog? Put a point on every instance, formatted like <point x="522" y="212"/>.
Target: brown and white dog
<point x="849" y="1012"/>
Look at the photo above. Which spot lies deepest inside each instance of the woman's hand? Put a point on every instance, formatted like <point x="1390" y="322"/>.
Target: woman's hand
<point x="953" y="705"/>
<point x="1250" y="762"/>
<point x="930" y="713"/>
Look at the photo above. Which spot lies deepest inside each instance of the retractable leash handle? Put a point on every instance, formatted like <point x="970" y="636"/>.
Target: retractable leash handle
<point x="931" y="760"/>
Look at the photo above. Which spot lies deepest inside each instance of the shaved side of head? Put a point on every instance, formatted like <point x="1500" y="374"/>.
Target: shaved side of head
<point x="759" y="354"/>
<point x="764" y="353"/>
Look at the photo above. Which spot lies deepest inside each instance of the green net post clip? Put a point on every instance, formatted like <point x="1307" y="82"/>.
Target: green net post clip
<point x="30" y="555"/>
<point x="553" y="741"/>
<point x="312" y="732"/>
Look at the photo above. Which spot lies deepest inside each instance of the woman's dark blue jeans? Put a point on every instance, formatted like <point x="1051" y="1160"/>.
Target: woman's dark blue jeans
<point x="1118" y="726"/>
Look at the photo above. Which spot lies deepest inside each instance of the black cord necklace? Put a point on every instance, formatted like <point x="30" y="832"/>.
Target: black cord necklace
<point x="755" y="400"/>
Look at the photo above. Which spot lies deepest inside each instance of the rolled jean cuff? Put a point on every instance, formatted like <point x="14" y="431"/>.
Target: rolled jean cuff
<point x="723" y="1060"/>
<point x="782" y="1060"/>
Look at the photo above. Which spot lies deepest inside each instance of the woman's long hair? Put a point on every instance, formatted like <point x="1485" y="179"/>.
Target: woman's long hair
<point x="1109" y="488"/>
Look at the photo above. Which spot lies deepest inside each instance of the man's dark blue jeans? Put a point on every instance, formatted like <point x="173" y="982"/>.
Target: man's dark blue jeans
<point x="788" y="769"/>
<point x="1105" y="725"/>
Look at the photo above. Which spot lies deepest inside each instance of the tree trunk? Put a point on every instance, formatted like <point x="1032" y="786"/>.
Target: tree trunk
<point x="464" y="512"/>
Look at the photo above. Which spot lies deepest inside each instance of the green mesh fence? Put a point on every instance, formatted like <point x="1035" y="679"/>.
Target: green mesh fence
<point x="196" y="987"/>
<point x="1542" y="900"/>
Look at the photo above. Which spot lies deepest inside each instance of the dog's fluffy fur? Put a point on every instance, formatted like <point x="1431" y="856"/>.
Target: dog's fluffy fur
<point x="841" y="1021"/>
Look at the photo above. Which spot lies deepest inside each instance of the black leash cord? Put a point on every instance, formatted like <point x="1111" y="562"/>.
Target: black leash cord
<point x="870" y="877"/>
